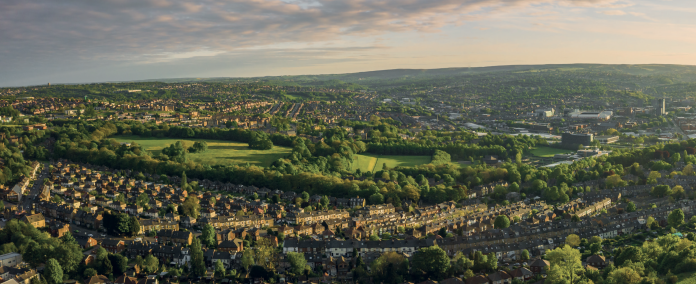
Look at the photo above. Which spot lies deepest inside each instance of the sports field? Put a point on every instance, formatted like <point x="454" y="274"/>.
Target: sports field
<point x="370" y="162"/>
<point x="548" y="151"/>
<point x="219" y="152"/>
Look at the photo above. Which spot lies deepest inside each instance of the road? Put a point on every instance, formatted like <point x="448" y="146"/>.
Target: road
<point x="679" y="130"/>
<point x="35" y="189"/>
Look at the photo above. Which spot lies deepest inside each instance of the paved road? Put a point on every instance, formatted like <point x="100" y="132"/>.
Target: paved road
<point x="36" y="189"/>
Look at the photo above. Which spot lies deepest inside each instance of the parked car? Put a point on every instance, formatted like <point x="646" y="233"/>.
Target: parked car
<point x="90" y="235"/>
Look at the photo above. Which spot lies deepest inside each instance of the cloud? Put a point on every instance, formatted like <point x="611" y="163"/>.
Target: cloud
<point x="57" y="37"/>
<point x="114" y="28"/>
<point x="613" y="12"/>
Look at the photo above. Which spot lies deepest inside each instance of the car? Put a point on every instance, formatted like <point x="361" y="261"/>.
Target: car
<point x="138" y="239"/>
<point x="77" y="231"/>
<point x="90" y="235"/>
<point x="103" y="235"/>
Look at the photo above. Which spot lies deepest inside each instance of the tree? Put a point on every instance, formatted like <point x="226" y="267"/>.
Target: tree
<point x="106" y="268"/>
<point x="184" y="181"/>
<point x="649" y="223"/>
<point x="595" y="248"/>
<point x="2" y="205"/>
<point x="247" y="259"/>
<point x="219" y="269"/>
<point x="624" y="275"/>
<point x="175" y="152"/>
<point x="208" y="236"/>
<point x="191" y="207"/>
<point x="197" y="260"/>
<point x="492" y="263"/>
<point x="430" y="261"/>
<point x="525" y="254"/>
<point x="260" y="141"/>
<point x="376" y="198"/>
<point x="142" y="200"/>
<point x="502" y="222"/>
<point x="676" y="218"/>
<point x="631" y="207"/>
<point x="134" y="226"/>
<point x="139" y="261"/>
<point x="629" y="253"/>
<point x="572" y="240"/>
<point x="89" y="272"/>
<point x="613" y="181"/>
<point x="567" y="259"/>
<point x="119" y="263"/>
<point x="198" y="147"/>
<point x="68" y="238"/>
<point x="53" y="273"/>
<point x="324" y="201"/>
<point x="265" y="254"/>
<point x="297" y="262"/>
<point x="151" y="264"/>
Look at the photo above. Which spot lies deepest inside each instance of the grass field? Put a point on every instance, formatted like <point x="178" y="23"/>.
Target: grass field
<point x="548" y="151"/>
<point x="369" y="162"/>
<point x="219" y="152"/>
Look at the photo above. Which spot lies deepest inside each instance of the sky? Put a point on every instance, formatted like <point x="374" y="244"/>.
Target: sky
<point x="81" y="41"/>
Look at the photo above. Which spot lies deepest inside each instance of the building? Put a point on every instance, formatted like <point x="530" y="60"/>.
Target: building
<point x="660" y="108"/>
<point x="113" y="245"/>
<point x="607" y="139"/>
<point x="10" y="259"/>
<point x="602" y="115"/>
<point x="575" y="139"/>
<point x="36" y="220"/>
<point x="545" y="112"/>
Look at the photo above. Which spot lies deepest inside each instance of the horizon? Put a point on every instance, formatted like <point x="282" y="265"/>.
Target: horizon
<point x="129" y="40"/>
<point x="327" y="74"/>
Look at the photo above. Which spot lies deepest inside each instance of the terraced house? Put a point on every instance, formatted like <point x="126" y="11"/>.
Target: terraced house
<point x="301" y="218"/>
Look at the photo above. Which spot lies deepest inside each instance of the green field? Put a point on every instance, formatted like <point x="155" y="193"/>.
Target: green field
<point x="370" y="162"/>
<point x="219" y="152"/>
<point x="548" y="151"/>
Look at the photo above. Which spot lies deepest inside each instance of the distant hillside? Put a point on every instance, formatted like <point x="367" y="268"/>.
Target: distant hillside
<point x="675" y="73"/>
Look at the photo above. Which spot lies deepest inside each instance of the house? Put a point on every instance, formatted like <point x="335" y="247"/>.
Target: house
<point x="113" y="246"/>
<point x="58" y="229"/>
<point x="85" y="241"/>
<point x="478" y="279"/>
<point x="36" y="220"/>
<point x="10" y="259"/>
<point x="597" y="261"/>
<point x="176" y="237"/>
<point x="236" y="245"/>
<point x="500" y="277"/>
<point x="539" y="266"/>
<point x="522" y="274"/>
<point x="98" y="279"/>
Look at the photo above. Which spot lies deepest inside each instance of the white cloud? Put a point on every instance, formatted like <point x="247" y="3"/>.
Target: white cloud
<point x="613" y="12"/>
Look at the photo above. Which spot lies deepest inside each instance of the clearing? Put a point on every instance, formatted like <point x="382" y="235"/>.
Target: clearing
<point x="220" y="152"/>
<point x="548" y="151"/>
<point x="370" y="162"/>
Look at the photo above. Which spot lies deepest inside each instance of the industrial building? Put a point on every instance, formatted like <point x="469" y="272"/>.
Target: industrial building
<point x="607" y="139"/>
<point x="575" y="139"/>
<point x="602" y="115"/>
